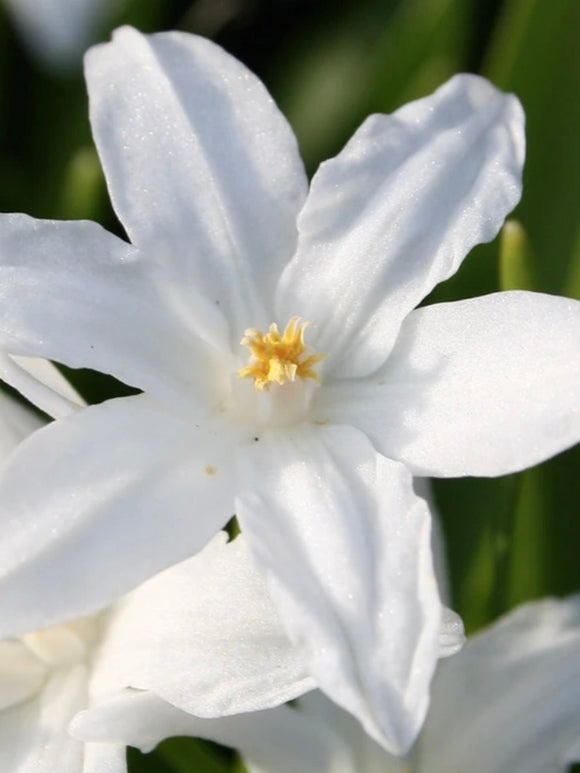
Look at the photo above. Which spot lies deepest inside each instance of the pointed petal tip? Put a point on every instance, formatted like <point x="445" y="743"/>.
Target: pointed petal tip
<point x="397" y="211"/>
<point x="482" y="92"/>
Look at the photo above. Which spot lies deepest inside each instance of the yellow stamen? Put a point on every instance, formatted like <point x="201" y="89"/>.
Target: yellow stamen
<point x="277" y="358"/>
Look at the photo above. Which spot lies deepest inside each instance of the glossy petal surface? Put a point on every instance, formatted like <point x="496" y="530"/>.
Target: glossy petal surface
<point x="202" y="167"/>
<point x="131" y="490"/>
<point x="396" y="212"/>
<point x="345" y="545"/>
<point x="123" y="324"/>
<point x="485" y="386"/>
<point x="204" y="636"/>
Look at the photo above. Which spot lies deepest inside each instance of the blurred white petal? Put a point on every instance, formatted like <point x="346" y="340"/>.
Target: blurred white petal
<point x="59" y="31"/>
<point x="509" y="701"/>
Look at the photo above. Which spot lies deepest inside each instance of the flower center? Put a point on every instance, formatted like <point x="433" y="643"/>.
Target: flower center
<point x="279" y="357"/>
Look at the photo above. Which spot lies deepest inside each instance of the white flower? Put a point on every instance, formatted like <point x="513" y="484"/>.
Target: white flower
<point x="314" y="455"/>
<point x="508" y="702"/>
<point x="202" y="635"/>
<point x="44" y="680"/>
<point x="59" y="31"/>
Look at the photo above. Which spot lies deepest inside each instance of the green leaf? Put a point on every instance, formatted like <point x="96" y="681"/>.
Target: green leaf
<point x="426" y="42"/>
<point x="370" y="58"/>
<point x="475" y="514"/>
<point x="517" y="270"/>
<point x="572" y="283"/>
<point x="83" y="190"/>
<point x="192" y="755"/>
<point x="137" y="762"/>
<point x="535" y="53"/>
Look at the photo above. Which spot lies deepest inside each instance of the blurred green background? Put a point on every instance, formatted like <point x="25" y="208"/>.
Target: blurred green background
<point x="328" y="65"/>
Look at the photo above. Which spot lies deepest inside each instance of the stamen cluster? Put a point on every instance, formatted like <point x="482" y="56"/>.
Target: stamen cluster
<point x="278" y="357"/>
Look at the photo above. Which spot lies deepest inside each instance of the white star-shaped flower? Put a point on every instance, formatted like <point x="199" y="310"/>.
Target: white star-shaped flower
<point x="508" y="702"/>
<point x="309" y="429"/>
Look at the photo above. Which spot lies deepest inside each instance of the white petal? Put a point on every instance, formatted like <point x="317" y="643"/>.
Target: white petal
<point x="510" y="700"/>
<point x="46" y="372"/>
<point x="121" y="491"/>
<point x="287" y="740"/>
<point x="104" y="758"/>
<point x="136" y="718"/>
<point x="205" y="636"/>
<point x="313" y="737"/>
<point x="52" y="273"/>
<point x="280" y="740"/>
<point x="358" y="752"/>
<point x="200" y="163"/>
<point x="58" y="30"/>
<point x="21" y="673"/>
<point x="63" y="646"/>
<point x="41" y="383"/>
<point x="16" y="423"/>
<point x="345" y="544"/>
<point x="423" y="488"/>
<point x="33" y="736"/>
<point x="452" y="635"/>
<point x="484" y="386"/>
<point x="396" y="212"/>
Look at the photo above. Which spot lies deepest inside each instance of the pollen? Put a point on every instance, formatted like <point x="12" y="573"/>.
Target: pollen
<point x="279" y="357"/>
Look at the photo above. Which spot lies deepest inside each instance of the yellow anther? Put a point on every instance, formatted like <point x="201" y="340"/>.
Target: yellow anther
<point x="278" y="358"/>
